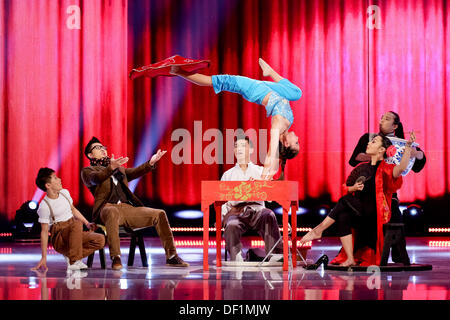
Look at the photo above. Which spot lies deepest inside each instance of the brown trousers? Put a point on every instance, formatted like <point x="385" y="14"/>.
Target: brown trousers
<point x="123" y="214"/>
<point x="69" y="239"/>
<point x="257" y="218"/>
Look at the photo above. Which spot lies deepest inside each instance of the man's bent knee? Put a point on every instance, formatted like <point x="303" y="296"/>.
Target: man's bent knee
<point x="108" y="213"/>
<point x="268" y="214"/>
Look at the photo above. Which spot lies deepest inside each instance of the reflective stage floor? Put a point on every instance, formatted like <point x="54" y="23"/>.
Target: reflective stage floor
<point x="18" y="282"/>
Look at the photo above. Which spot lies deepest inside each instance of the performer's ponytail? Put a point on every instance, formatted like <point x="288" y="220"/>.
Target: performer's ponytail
<point x="399" y="133"/>
<point x="283" y="164"/>
<point x="285" y="154"/>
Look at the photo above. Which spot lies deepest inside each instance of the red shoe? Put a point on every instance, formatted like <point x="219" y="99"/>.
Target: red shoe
<point x="163" y="67"/>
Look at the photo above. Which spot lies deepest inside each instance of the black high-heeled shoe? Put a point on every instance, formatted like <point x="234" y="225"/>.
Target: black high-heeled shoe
<point x="322" y="260"/>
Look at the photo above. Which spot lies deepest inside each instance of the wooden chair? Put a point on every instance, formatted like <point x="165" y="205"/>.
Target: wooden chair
<point x="137" y="238"/>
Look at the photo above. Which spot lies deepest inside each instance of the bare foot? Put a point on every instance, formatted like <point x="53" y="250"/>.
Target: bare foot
<point x="311" y="235"/>
<point x="266" y="69"/>
<point x="348" y="263"/>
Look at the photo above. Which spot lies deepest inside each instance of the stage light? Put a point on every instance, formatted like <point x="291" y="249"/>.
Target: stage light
<point x="300" y="210"/>
<point x="441" y="244"/>
<point x="156" y="126"/>
<point x="26" y="221"/>
<point x="200" y="229"/>
<point x="414" y="210"/>
<point x="323" y="210"/>
<point x="434" y="230"/>
<point x="5" y="234"/>
<point x="6" y="250"/>
<point x="189" y="214"/>
<point x="261" y="244"/>
<point x="197" y="243"/>
<point x="414" y="220"/>
<point x="32" y="205"/>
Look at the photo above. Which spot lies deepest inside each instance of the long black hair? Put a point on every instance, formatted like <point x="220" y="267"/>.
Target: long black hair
<point x="285" y="153"/>
<point x="399" y="133"/>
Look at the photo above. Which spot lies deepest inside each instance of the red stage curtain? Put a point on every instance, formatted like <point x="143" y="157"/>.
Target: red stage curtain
<point x="409" y="68"/>
<point x="61" y="86"/>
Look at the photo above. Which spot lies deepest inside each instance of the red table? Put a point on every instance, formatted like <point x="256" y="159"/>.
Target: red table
<point x="219" y="192"/>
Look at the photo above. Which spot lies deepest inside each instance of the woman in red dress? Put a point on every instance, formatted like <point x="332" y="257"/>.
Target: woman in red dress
<point x="366" y="205"/>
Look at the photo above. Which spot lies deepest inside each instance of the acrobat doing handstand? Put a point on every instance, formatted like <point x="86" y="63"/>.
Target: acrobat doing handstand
<point x="273" y="95"/>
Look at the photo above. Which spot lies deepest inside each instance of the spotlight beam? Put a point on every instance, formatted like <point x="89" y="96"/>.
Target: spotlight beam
<point x="205" y="35"/>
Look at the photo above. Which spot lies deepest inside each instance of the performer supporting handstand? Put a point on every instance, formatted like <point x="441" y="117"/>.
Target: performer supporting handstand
<point x="367" y="206"/>
<point x="273" y="95"/>
<point x="240" y="216"/>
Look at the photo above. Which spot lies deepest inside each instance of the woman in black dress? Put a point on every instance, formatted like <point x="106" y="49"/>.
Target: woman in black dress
<point x="366" y="206"/>
<point x="391" y="126"/>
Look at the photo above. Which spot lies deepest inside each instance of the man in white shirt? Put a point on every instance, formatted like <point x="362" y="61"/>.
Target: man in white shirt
<point x="238" y="217"/>
<point x="66" y="224"/>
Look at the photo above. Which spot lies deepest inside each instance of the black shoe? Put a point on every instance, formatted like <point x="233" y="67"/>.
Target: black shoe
<point x="176" y="261"/>
<point x="255" y="254"/>
<point x="322" y="260"/>
<point x="117" y="263"/>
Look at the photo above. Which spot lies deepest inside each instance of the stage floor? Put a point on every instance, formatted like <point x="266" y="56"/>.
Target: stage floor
<point x="18" y="282"/>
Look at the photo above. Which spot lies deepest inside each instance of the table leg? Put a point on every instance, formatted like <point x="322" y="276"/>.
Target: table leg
<point x="294" y="208"/>
<point x="285" y="238"/>
<point x="218" y="209"/>
<point x="205" y="210"/>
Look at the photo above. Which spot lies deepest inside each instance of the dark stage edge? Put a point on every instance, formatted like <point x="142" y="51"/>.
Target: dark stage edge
<point x="391" y="267"/>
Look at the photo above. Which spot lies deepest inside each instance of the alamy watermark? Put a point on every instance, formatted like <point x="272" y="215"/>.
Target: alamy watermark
<point x="374" y="281"/>
<point x="374" y="17"/>
<point x="74" y="19"/>
<point x="220" y="148"/>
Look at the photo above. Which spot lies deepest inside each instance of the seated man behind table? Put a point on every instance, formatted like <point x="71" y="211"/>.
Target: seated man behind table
<point x="66" y="224"/>
<point x="116" y="205"/>
<point x="238" y="216"/>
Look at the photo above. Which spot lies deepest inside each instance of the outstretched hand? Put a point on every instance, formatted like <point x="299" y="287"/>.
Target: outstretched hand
<point x="412" y="138"/>
<point x="115" y="163"/>
<point x="158" y="155"/>
<point x="398" y="169"/>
